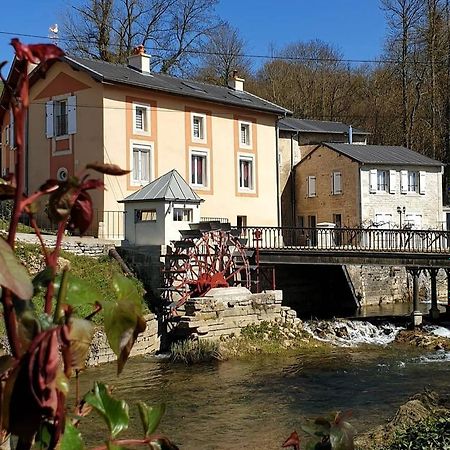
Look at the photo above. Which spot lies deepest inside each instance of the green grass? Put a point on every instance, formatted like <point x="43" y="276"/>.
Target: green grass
<point x="193" y="352"/>
<point x="97" y="272"/>
<point x="431" y="434"/>
<point x="21" y="228"/>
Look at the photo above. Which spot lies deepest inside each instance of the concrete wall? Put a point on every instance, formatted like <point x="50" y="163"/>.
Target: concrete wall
<point x="225" y="311"/>
<point x="429" y="205"/>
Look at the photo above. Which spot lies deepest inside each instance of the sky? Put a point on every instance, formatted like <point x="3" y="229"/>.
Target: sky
<point x="356" y="27"/>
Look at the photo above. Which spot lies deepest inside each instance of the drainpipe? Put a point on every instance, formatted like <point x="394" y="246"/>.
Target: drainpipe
<point x="350" y="134"/>
<point x="27" y="157"/>
<point x="277" y="166"/>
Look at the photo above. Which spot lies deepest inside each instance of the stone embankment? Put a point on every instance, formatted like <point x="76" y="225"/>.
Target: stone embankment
<point x="147" y="343"/>
<point x="225" y="311"/>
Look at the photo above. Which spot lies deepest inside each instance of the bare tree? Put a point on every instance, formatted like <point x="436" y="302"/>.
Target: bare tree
<point x="172" y="30"/>
<point x="223" y="52"/>
<point x="403" y="18"/>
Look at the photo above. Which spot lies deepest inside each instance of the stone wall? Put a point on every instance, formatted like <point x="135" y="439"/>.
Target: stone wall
<point x="148" y="342"/>
<point x="381" y="284"/>
<point x="225" y="311"/>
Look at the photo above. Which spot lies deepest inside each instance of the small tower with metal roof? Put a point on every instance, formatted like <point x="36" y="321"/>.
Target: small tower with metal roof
<point x="156" y="213"/>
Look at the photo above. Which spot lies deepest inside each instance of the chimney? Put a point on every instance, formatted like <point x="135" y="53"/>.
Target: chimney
<point x="139" y="60"/>
<point x="350" y="135"/>
<point x="236" y="83"/>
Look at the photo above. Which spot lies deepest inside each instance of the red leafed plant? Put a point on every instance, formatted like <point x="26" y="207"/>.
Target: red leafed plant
<point x="48" y="348"/>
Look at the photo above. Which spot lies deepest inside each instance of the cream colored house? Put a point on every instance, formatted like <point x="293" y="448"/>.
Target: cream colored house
<point x="370" y="186"/>
<point x="222" y="140"/>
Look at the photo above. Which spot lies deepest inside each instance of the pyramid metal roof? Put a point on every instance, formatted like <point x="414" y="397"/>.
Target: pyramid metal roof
<point x="169" y="187"/>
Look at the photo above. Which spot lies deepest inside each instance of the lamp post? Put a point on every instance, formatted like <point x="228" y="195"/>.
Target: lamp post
<point x="401" y="211"/>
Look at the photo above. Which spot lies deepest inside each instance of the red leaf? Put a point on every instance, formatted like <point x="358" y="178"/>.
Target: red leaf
<point x="49" y="186"/>
<point x="36" y="53"/>
<point x="292" y="441"/>
<point x="92" y="184"/>
<point x="81" y="214"/>
<point x="7" y="191"/>
<point x="107" y="169"/>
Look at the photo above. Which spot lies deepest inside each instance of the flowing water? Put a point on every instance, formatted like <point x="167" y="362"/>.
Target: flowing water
<point x="256" y="403"/>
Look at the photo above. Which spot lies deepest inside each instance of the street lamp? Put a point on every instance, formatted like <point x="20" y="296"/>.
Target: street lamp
<point x="401" y="210"/>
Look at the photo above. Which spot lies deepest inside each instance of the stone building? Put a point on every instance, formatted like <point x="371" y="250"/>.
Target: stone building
<point x="298" y="137"/>
<point x="370" y="186"/>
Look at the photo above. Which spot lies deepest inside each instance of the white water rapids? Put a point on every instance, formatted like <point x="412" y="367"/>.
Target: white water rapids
<point x="347" y="333"/>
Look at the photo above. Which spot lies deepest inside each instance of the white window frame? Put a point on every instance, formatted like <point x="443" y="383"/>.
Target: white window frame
<point x="203" y="127"/>
<point x="309" y="181"/>
<point x="417" y="182"/>
<point x="250" y="137"/>
<point x="250" y="158"/>
<point x="146" y="120"/>
<point x="336" y="174"/>
<point x="187" y="214"/>
<point x="204" y="153"/>
<point x="146" y="146"/>
<point x="386" y="188"/>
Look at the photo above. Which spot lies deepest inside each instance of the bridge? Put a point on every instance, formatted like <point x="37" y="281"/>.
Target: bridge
<point x="417" y="250"/>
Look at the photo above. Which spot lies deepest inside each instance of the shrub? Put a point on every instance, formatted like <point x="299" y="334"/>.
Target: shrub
<point x="194" y="351"/>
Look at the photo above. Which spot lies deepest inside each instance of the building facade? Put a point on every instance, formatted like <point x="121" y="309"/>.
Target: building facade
<point x="221" y="140"/>
<point x="369" y="186"/>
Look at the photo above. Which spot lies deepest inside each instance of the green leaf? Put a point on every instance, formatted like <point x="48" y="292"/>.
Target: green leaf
<point x="42" y="278"/>
<point x="71" y="439"/>
<point x="123" y="319"/>
<point x="151" y="416"/>
<point x="114" y="412"/>
<point x="79" y="292"/>
<point x="13" y="274"/>
<point x="112" y="446"/>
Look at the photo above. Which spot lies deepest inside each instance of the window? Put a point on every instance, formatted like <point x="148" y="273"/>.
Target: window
<point x="382" y="181"/>
<point x="413" y="181"/>
<point x="145" y="215"/>
<point x="141" y="118"/>
<point x="241" y="221"/>
<point x="60" y="117"/>
<point x="199" y="168"/>
<point x="142" y="169"/>
<point x="246" y="173"/>
<point x="182" y="215"/>
<point x="311" y="186"/>
<point x="337" y="183"/>
<point x="198" y="127"/>
<point x="245" y="134"/>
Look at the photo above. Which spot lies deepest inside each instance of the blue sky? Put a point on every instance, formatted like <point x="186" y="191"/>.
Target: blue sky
<point x="357" y="27"/>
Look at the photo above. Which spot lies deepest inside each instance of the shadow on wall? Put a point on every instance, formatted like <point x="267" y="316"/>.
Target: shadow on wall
<point x="316" y="291"/>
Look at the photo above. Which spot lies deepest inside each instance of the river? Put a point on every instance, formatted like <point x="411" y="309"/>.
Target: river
<point x="257" y="403"/>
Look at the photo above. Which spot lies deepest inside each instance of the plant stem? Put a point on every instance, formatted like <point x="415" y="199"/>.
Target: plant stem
<point x="62" y="293"/>
<point x="41" y="240"/>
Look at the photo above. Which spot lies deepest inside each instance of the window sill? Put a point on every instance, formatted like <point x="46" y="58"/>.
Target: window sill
<point x="62" y="137"/>
<point x="141" y="133"/>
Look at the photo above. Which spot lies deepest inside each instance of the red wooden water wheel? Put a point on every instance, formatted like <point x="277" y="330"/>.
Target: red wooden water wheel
<point x="207" y="256"/>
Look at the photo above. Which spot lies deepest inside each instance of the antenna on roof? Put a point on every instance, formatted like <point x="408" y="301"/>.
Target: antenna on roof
<point x="53" y="33"/>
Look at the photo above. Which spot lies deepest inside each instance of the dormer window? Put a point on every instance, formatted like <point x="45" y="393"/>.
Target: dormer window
<point x="141" y="118"/>
<point x="198" y="127"/>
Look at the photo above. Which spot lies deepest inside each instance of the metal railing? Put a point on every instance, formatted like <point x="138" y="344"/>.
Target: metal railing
<point x="214" y="219"/>
<point x="348" y="239"/>
<point x="104" y="225"/>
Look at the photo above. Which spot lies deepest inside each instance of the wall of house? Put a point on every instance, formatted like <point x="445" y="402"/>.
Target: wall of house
<point x="322" y="163"/>
<point x="428" y="205"/>
<point x="300" y="145"/>
<point x="171" y="141"/>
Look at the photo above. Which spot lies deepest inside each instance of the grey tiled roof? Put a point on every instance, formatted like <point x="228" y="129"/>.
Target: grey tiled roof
<point x="316" y="126"/>
<point x="383" y="155"/>
<point x="115" y="73"/>
<point x="170" y="187"/>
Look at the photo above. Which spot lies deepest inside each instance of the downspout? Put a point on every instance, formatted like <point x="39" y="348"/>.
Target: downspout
<point x="27" y="158"/>
<point x="291" y="176"/>
<point x="277" y="167"/>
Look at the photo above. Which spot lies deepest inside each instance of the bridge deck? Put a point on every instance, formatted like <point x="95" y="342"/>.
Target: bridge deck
<point x="325" y="246"/>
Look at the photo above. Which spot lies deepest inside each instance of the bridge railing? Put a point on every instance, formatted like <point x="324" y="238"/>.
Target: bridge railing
<point x="350" y="239"/>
